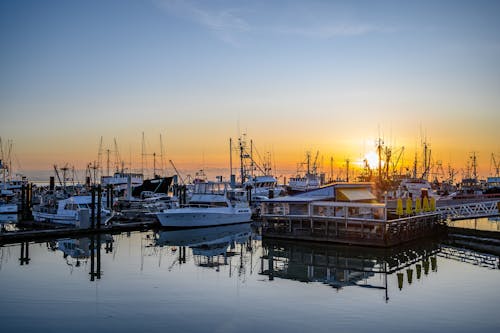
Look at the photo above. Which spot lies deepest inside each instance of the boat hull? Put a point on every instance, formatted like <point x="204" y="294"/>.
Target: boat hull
<point x="192" y="218"/>
<point x="55" y="218"/>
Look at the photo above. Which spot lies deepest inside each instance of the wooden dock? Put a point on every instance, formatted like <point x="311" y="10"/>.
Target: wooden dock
<point x="347" y="223"/>
<point x="8" y="237"/>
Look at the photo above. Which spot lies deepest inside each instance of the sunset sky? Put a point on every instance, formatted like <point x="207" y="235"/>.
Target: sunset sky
<point x="296" y="76"/>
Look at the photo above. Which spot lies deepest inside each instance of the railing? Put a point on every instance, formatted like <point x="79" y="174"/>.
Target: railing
<point x="470" y="210"/>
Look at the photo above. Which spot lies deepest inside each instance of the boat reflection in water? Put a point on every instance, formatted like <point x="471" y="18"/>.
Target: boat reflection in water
<point x="206" y="243"/>
<point x="78" y="251"/>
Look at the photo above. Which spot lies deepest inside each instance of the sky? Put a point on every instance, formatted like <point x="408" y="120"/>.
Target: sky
<point x="294" y="76"/>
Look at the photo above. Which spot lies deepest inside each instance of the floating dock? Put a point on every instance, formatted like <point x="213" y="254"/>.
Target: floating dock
<point x="347" y="223"/>
<point x="8" y="237"/>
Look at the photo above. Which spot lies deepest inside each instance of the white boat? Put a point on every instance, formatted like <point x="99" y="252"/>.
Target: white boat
<point x="307" y="181"/>
<point x="67" y="211"/>
<point x="265" y="185"/>
<point x="415" y="188"/>
<point x="208" y="206"/>
<point x="120" y="180"/>
<point x="304" y="183"/>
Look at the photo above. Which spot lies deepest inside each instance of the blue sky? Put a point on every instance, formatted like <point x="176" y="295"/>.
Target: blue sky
<point x="295" y="75"/>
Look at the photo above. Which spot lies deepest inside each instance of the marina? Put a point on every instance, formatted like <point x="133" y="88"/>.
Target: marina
<point x="173" y="276"/>
<point x="242" y="166"/>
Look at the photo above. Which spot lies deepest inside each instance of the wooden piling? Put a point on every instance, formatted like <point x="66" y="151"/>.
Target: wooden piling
<point x="99" y="204"/>
<point x="92" y="209"/>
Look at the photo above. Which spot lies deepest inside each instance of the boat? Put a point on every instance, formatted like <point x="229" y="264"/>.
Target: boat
<point x="264" y="186"/>
<point x="151" y="196"/>
<point x="121" y="180"/>
<point x="304" y="182"/>
<point x="66" y="211"/>
<point x="416" y="188"/>
<point x="209" y="205"/>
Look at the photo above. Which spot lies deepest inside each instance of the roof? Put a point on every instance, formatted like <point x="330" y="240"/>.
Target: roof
<point x="355" y="194"/>
<point x="298" y="198"/>
<point x="326" y="193"/>
<point x="348" y="204"/>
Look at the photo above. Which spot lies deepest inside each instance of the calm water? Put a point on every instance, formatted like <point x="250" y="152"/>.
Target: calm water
<point x="229" y="280"/>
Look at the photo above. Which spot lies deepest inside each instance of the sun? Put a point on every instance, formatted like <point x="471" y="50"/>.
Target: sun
<point x="372" y="159"/>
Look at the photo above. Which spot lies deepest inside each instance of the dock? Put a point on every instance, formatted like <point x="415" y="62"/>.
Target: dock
<point x="368" y="224"/>
<point x="8" y="237"/>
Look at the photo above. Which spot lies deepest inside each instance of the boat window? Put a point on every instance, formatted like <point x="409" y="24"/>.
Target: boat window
<point x="71" y="206"/>
<point x="219" y="204"/>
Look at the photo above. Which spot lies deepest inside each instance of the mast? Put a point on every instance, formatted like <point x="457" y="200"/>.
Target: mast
<point x="251" y="159"/>
<point x="241" y="161"/>
<point x="154" y="165"/>
<point x="331" y="169"/>
<point x="308" y="155"/>
<point x="474" y="165"/>
<point x="231" y="160"/>
<point x="107" y="161"/>
<point x="347" y="169"/>
<point x="143" y="148"/>
<point x="162" y="161"/>
<point x="379" y="151"/>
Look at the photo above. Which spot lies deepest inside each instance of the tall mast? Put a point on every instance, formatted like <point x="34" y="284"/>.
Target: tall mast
<point x="107" y="161"/>
<point x="230" y="159"/>
<point x="347" y="169"/>
<point x="474" y="165"/>
<point x="241" y="161"/>
<point x="251" y="159"/>
<point x="379" y="151"/>
<point x="142" y="154"/>
<point x="162" y="161"/>
<point x="331" y="169"/>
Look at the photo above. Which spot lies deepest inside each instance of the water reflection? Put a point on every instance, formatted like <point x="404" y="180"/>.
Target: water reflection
<point x="229" y="279"/>
<point x="336" y="266"/>
<point x="210" y="247"/>
<point x="340" y="266"/>
<point x="77" y="252"/>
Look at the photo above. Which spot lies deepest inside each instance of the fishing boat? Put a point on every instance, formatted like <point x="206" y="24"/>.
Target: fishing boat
<point x="304" y="182"/>
<point x="209" y="205"/>
<point x="121" y="180"/>
<point x="264" y="185"/>
<point x="416" y="187"/>
<point x="66" y="211"/>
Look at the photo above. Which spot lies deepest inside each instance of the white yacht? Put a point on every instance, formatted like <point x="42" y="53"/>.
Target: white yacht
<point x="66" y="211"/>
<point x="209" y="206"/>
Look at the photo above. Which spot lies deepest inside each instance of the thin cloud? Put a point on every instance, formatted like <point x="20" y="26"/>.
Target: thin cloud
<point x="329" y="30"/>
<point x="229" y="23"/>
<point x="225" y="23"/>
